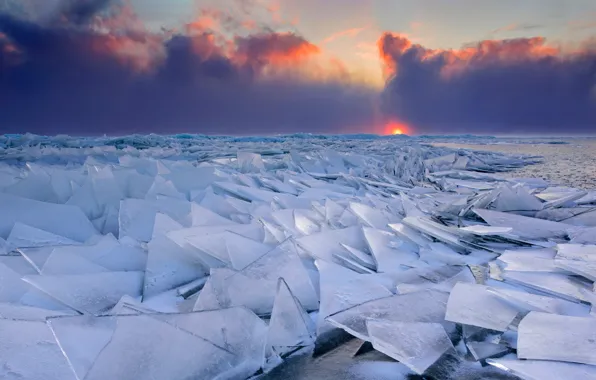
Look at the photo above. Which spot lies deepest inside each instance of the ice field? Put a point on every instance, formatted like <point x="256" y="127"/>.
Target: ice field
<point x="193" y="257"/>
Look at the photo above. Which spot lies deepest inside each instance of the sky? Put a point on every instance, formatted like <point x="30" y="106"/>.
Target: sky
<point x="242" y="67"/>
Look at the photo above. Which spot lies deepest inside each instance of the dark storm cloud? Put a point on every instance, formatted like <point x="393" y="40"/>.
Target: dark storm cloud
<point x="72" y="79"/>
<point x="81" y="11"/>
<point x="508" y="86"/>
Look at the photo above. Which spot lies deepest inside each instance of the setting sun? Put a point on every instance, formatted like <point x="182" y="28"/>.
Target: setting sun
<point x="396" y="128"/>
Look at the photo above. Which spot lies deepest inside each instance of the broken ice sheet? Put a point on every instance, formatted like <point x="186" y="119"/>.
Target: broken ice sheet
<point x="484" y="350"/>
<point x="89" y="293"/>
<point x="169" y="266"/>
<point x="342" y="288"/>
<point x="290" y="325"/>
<point x="136" y="338"/>
<point x="24" y="236"/>
<point x="29" y="351"/>
<point x="417" y="345"/>
<point x="255" y="286"/>
<point x="530" y="260"/>
<point x="542" y="369"/>
<point x="557" y="284"/>
<point x="237" y="330"/>
<point x="389" y="252"/>
<point x="525" y="302"/>
<point x="556" y="337"/>
<point x="242" y="251"/>
<point x="425" y="306"/>
<point x="62" y="220"/>
<point x="525" y="227"/>
<point x="324" y="244"/>
<point x="473" y="304"/>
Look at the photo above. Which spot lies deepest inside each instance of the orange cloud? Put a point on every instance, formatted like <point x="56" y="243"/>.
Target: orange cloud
<point x="344" y="33"/>
<point x="484" y="52"/>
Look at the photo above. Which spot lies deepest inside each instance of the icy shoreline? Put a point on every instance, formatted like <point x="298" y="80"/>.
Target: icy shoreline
<point x="121" y="261"/>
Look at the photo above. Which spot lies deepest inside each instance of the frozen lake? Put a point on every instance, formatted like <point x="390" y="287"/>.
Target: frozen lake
<point x="132" y="257"/>
<point x="571" y="164"/>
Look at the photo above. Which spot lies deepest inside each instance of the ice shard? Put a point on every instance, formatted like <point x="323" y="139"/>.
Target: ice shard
<point x="62" y="220"/>
<point x="169" y="266"/>
<point x="427" y="306"/>
<point x="324" y="244"/>
<point x="242" y="251"/>
<point x="556" y="284"/>
<point x="530" y="228"/>
<point x="485" y="350"/>
<point x="542" y="369"/>
<point x="290" y="325"/>
<point x="543" y="336"/>
<point x="475" y="305"/>
<point x="389" y="252"/>
<point x="175" y="353"/>
<point x="24" y="236"/>
<point x="255" y="286"/>
<point x="529" y="260"/>
<point x="416" y="345"/>
<point x="342" y="288"/>
<point x="29" y="351"/>
<point x="89" y="293"/>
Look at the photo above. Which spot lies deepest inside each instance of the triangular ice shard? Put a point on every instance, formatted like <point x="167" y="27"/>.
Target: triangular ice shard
<point x="12" y="287"/>
<point x="290" y="326"/>
<point x="125" y="355"/>
<point x="485" y="350"/>
<point x="525" y="227"/>
<point x="29" y="313"/>
<point x="212" y="296"/>
<point x="526" y="302"/>
<point x="323" y="245"/>
<point x="530" y="260"/>
<point x="237" y="330"/>
<point x="242" y="251"/>
<point x="202" y="216"/>
<point x="370" y="216"/>
<point x="137" y="216"/>
<point x="342" y="288"/>
<point x="255" y="286"/>
<point x="542" y="369"/>
<point x="82" y="338"/>
<point x="416" y="345"/>
<point x="62" y="220"/>
<point x="29" y="351"/>
<point x="95" y="293"/>
<point x="557" y="284"/>
<point x="360" y="257"/>
<point x="473" y="304"/>
<point x="164" y="224"/>
<point x="169" y="266"/>
<point x="24" y="236"/>
<point x="426" y="306"/>
<point x="64" y="262"/>
<point x="390" y="253"/>
<point x="556" y="337"/>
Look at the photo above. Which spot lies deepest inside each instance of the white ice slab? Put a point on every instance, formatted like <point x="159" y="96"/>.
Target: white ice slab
<point x="530" y="228"/>
<point x="389" y="252"/>
<point x="545" y="336"/>
<point x="62" y="220"/>
<point x="475" y="305"/>
<point x="427" y="306"/>
<point x="416" y="345"/>
<point x="542" y="369"/>
<point x="89" y="293"/>
<point x="290" y="325"/>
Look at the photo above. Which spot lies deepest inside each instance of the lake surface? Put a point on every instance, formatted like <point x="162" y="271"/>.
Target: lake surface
<point x="571" y="164"/>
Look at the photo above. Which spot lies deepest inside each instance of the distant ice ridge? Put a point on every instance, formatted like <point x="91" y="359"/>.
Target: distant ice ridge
<point x="217" y="258"/>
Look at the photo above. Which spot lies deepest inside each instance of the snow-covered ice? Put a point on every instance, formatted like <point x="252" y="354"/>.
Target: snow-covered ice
<point x="178" y="257"/>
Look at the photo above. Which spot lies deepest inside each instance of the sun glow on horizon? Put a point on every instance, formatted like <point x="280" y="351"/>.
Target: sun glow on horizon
<point x="396" y="128"/>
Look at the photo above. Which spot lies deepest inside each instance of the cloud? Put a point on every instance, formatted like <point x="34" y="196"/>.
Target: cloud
<point x="518" y="85"/>
<point x="98" y="76"/>
<point x="517" y="28"/>
<point x="343" y="33"/>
